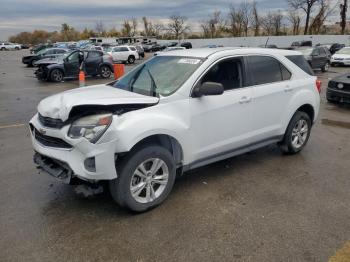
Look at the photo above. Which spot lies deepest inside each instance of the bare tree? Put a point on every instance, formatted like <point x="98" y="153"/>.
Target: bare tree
<point x="277" y="22"/>
<point x="255" y="19"/>
<point x="157" y="28"/>
<point x="267" y="23"/>
<point x="245" y="10"/>
<point x="306" y="6"/>
<point x="177" y="26"/>
<point x="294" y="19"/>
<point x="343" y="10"/>
<point x="323" y="12"/>
<point x="134" y="26"/>
<point x="214" y="26"/>
<point x="100" y="28"/>
<point x="126" y="28"/>
<point x="235" y="21"/>
<point x="147" y="26"/>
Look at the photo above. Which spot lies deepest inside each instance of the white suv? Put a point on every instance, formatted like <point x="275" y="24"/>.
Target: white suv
<point x="124" y="54"/>
<point x="9" y="46"/>
<point x="178" y="111"/>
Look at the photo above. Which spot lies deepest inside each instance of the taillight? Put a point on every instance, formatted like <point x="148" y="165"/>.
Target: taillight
<point x="318" y="85"/>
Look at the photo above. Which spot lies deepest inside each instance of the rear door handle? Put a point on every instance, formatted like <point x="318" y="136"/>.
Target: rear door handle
<point x="245" y="99"/>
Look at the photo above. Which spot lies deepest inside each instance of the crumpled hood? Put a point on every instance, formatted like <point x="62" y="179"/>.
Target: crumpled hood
<point x="59" y="106"/>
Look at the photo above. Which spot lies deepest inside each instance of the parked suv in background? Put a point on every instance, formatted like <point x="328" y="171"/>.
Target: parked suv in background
<point x="177" y="111"/>
<point x="94" y="63"/>
<point x="5" y="46"/>
<point x="341" y="57"/>
<point x="318" y="57"/>
<point x="124" y="54"/>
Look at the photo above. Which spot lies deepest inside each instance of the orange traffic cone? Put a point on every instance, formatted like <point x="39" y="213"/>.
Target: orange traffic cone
<point x="118" y="70"/>
<point x="81" y="78"/>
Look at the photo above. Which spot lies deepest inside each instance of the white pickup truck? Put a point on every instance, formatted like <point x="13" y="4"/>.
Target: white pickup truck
<point x="177" y="111"/>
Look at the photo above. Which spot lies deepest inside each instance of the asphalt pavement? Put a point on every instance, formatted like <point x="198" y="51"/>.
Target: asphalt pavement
<point x="261" y="206"/>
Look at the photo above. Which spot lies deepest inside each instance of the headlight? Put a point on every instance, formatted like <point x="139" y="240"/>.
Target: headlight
<point x="91" y="127"/>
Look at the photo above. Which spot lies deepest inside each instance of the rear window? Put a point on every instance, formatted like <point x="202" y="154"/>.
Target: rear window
<point x="300" y="61"/>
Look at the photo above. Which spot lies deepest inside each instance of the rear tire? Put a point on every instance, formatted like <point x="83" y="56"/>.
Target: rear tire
<point x="105" y="71"/>
<point x="325" y="68"/>
<point x="138" y="188"/>
<point x="56" y="75"/>
<point x="297" y="134"/>
<point x="131" y="59"/>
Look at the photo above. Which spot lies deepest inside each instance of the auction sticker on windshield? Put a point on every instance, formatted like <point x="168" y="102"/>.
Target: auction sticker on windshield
<point x="189" y="61"/>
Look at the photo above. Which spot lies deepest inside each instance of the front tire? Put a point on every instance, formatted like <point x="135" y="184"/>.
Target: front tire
<point x="31" y="63"/>
<point x="56" y="75"/>
<point x="297" y="134"/>
<point x="145" y="178"/>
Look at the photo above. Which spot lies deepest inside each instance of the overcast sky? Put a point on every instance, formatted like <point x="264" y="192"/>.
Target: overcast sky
<point x="26" y="15"/>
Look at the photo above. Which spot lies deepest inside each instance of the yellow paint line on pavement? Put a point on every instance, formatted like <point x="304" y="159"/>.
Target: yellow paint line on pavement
<point x="11" y="126"/>
<point x="342" y="255"/>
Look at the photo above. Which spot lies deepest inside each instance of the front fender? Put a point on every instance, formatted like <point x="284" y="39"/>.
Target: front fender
<point x="135" y="126"/>
<point x="55" y="66"/>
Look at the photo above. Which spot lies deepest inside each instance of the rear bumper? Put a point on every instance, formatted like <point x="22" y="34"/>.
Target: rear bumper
<point x="84" y="160"/>
<point x="338" y="95"/>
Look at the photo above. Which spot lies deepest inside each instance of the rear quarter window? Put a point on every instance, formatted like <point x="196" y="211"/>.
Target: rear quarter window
<point x="300" y="61"/>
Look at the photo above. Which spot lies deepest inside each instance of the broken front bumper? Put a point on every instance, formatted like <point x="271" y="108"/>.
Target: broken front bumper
<point x="53" y="167"/>
<point x="65" y="158"/>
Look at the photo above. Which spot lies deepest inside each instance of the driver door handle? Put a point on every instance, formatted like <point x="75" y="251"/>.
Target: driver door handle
<point x="245" y="99"/>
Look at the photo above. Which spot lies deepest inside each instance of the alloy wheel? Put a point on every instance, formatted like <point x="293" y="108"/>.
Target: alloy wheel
<point x="149" y="180"/>
<point x="300" y="133"/>
<point x="57" y="75"/>
<point x="105" y="72"/>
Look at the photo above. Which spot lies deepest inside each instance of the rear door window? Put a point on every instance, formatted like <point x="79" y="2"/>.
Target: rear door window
<point x="300" y="61"/>
<point x="265" y="69"/>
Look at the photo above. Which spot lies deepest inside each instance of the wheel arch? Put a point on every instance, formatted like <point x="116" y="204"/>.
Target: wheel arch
<point x="166" y="141"/>
<point x="309" y="110"/>
<point x="106" y="64"/>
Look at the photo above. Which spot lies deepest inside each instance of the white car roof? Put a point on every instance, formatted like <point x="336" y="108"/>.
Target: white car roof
<point x="206" y="52"/>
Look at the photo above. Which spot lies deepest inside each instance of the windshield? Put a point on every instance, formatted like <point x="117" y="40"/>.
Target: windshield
<point x="344" y="51"/>
<point x="307" y="51"/>
<point x="43" y="51"/>
<point x="161" y="75"/>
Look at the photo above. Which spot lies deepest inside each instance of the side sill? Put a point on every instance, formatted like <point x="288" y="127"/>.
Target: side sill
<point x="231" y="153"/>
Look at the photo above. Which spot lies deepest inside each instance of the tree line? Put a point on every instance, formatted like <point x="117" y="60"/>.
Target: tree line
<point x="244" y="19"/>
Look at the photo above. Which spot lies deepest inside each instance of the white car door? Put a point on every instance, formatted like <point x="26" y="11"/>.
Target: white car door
<point x="116" y="54"/>
<point x="222" y="123"/>
<point x="272" y="90"/>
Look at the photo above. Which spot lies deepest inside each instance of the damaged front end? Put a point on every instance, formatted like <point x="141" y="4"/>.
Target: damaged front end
<point x="42" y="73"/>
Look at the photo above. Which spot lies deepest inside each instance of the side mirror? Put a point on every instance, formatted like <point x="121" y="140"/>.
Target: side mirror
<point x="208" y="89"/>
